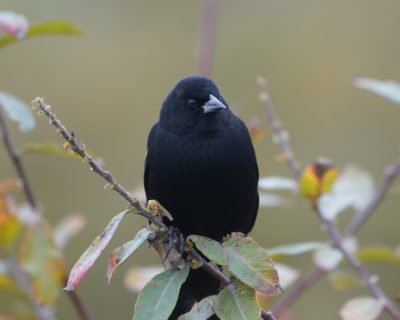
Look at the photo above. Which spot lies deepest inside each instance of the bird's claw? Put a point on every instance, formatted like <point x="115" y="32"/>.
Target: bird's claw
<point x="174" y="237"/>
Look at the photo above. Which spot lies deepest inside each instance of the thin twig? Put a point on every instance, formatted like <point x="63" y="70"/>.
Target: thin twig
<point x="16" y="160"/>
<point x="42" y="311"/>
<point x="280" y="137"/>
<point x="80" y="150"/>
<point x="207" y="38"/>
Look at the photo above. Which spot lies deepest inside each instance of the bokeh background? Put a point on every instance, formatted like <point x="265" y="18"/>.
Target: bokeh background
<point x="108" y="85"/>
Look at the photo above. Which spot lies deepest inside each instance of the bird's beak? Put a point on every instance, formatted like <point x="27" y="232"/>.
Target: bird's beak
<point x="213" y="105"/>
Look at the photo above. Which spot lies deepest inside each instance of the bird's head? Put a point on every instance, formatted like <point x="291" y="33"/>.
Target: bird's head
<point x="194" y="105"/>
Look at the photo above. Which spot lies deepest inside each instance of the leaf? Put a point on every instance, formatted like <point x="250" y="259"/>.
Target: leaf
<point x="18" y="111"/>
<point x="251" y="264"/>
<point x="41" y="259"/>
<point x="201" y="310"/>
<point x="89" y="257"/>
<point x="353" y="188"/>
<point x="237" y="302"/>
<point x="294" y="249"/>
<point x="328" y="258"/>
<point x="10" y="227"/>
<point x="317" y="178"/>
<point x="48" y="148"/>
<point x="137" y="277"/>
<point x="273" y="200"/>
<point x="212" y="249"/>
<point x="68" y="228"/>
<point x="277" y="183"/>
<point x="159" y="296"/>
<point x="363" y="308"/>
<point x="119" y="255"/>
<point x="387" y="89"/>
<point x="58" y="27"/>
<point x="378" y="253"/>
<point x="13" y="24"/>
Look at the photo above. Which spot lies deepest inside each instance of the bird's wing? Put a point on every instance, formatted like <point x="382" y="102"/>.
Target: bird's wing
<point x="150" y="140"/>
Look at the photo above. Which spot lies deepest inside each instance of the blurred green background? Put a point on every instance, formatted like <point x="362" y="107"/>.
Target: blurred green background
<point x="108" y="86"/>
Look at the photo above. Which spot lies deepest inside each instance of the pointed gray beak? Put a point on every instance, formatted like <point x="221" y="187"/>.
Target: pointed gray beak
<point x="213" y="105"/>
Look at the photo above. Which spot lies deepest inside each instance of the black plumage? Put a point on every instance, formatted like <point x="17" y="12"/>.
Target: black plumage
<point x="202" y="168"/>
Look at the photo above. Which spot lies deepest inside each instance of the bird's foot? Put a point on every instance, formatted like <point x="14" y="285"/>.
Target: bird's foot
<point x="174" y="238"/>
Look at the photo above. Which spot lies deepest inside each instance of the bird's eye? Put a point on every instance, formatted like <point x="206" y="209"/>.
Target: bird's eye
<point x="192" y="103"/>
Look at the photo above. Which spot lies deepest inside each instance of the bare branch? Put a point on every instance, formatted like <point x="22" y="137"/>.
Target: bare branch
<point x="79" y="149"/>
<point x="279" y="136"/>
<point x="207" y="38"/>
<point x="16" y="160"/>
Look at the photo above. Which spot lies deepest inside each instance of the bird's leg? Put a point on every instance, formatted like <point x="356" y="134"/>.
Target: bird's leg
<point x="174" y="237"/>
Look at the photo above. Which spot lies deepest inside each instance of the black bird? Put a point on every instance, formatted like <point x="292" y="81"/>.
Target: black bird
<point x="202" y="168"/>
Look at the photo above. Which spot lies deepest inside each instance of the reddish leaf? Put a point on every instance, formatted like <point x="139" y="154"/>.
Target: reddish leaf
<point x="88" y="258"/>
<point x="121" y="254"/>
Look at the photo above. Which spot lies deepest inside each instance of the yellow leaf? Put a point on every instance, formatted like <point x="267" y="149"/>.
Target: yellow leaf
<point x="317" y="178"/>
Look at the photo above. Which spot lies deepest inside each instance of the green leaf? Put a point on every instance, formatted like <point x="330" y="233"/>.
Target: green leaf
<point x="159" y="296"/>
<point x="378" y="253"/>
<point x="58" y="27"/>
<point x="18" y="111"/>
<point x="42" y="260"/>
<point x="363" y="308"/>
<point x="201" y="310"/>
<point x="119" y="255"/>
<point x="49" y="148"/>
<point x="294" y="249"/>
<point x="387" y="89"/>
<point x="251" y="264"/>
<point x="89" y="257"/>
<point x="237" y="302"/>
<point x="212" y="249"/>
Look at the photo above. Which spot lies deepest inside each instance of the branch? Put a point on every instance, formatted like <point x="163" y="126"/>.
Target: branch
<point x="279" y="136"/>
<point x="207" y="38"/>
<point x="16" y="160"/>
<point x="357" y="266"/>
<point x="13" y="268"/>
<point x="80" y="150"/>
<point x="281" y="139"/>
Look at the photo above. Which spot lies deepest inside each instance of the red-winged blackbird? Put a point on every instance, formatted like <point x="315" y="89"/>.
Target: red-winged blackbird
<point x="202" y="168"/>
